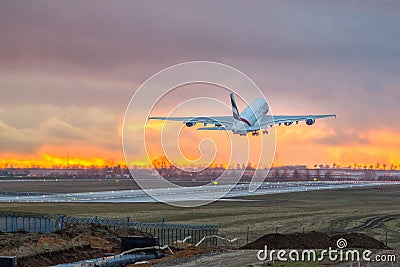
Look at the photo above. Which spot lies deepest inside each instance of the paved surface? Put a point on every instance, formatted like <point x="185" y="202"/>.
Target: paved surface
<point x="247" y="258"/>
<point x="189" y="193"/>
<point x="372" y="223"/>
<point x="233" y="258"/>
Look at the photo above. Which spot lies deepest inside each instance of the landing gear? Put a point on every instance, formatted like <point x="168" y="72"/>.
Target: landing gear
<point x="265" y="131"/>
<point x="255" y="133"/>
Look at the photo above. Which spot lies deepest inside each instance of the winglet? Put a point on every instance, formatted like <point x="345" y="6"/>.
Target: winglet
<point x="235" y="110"/>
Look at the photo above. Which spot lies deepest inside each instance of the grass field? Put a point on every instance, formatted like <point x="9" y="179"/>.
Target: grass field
<point x="329" y="210"/>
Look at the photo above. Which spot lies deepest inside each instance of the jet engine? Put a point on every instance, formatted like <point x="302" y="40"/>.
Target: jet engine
<point x="310" y="121"/>
<point x="190" y="124"/>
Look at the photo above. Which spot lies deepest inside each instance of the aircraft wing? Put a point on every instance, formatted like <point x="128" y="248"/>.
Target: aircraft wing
<point x="224" y="121"/>
<point x="269" y="120"/>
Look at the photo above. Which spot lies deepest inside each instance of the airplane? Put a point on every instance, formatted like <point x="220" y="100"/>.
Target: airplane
<point x="253" y="119"/>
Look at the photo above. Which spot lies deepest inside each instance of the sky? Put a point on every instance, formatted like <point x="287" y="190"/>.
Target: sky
<point x="69" y="68"/>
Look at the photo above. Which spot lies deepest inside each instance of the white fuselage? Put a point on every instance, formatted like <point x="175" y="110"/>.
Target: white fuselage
<point x="251" y="116"/>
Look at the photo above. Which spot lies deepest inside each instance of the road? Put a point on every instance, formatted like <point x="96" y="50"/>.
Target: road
<point x="372" y="223"/>
<point x="248" y="258"/>
<point x="176" y="194"/>
<point x="233" y="258"/>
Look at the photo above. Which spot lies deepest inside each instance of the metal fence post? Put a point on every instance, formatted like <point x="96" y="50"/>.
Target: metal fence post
<point x="215" y="232"/>
<point x="60" y="226"/>
<point x="247" y="236"/>
<point x="207" y="234"/>
<point x="162" y="232"/>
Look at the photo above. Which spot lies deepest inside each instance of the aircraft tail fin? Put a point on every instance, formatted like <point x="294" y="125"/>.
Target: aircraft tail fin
<point x="237" y="126"/>
<point x="235" y="110"/>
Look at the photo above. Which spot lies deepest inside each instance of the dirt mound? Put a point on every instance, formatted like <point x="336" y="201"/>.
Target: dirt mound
<point x="98" y="236"/>
<point x="128" y="231"/>
<point x="72" y="254"/>
<point x="358" y="240"/>
<point x="297" y="240"/>
<point x="77" y="242"/>
<point x="316" y="240"/>
<point x="191" y="251"/>
<point x="49" y="239"/>
<point x="96" y="242"/>
<point x="97" y="230"/>
<point x="13" y="241"/>
<point x="180" y="254"/>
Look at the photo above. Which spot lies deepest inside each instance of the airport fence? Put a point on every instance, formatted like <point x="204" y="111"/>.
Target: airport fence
<point x="167" y="233"/>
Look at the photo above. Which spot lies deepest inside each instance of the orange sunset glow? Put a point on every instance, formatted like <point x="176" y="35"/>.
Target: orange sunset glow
<point x="381" y="147"/>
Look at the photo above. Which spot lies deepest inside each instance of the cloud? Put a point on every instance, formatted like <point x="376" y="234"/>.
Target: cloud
<point x="344" y="138"/>
<point x="27" y="129"/>
<point x="61" y="130"/>
<point x="43" y="89"/>
<point x="20" y="141"/>
<point x="68" y="69"/>
<point x="102" y="35"/>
